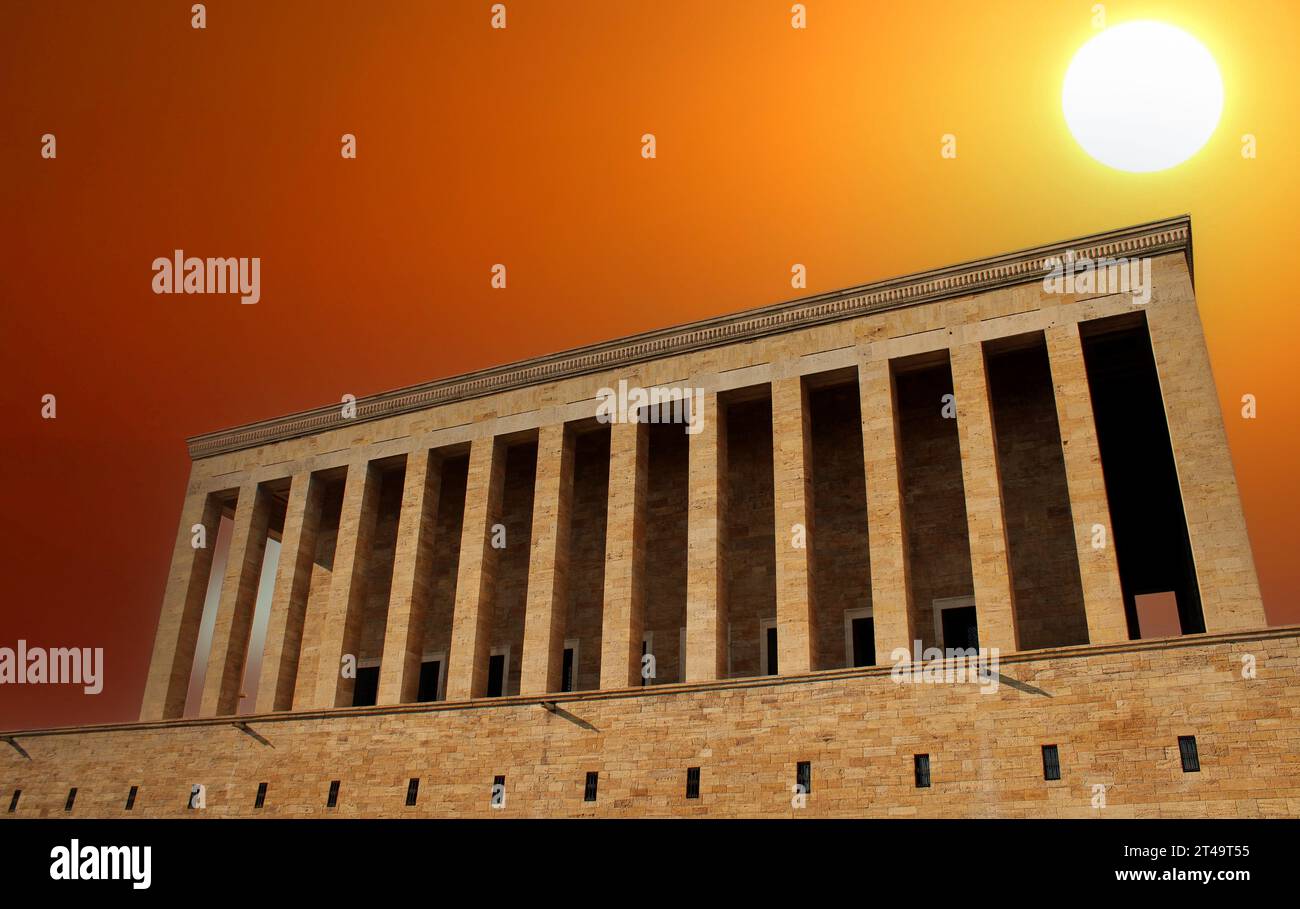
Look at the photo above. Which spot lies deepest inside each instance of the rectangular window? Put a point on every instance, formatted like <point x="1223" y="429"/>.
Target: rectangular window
<point x="496" y="684"/>
<point x="566" y="674"/>
<point x="803" y="776"/>
<point x="412" y="791"/>
<point x="1051" y="763"/>
<point x="1186" y="748"/>
<point x="365" y="691"/>
<point x="13" y="802"/>
<point x="72" y="797"/>
<point x="589" y="794"/>
<point x="430" y="678"/>
<point x="864" y="641"/>
<point x="770" y="665"/>
<point x="130" y="797"/>
<point x="261" y="796"/>
<point x="922" y="769"/>
<point x="333" y="800"/>
<point x="498" y="799"/>
<point x="960" y="628"/>
<point x="692" y="782"/>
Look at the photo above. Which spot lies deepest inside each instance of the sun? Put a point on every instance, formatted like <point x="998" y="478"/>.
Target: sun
<point x="1142" y="96"/>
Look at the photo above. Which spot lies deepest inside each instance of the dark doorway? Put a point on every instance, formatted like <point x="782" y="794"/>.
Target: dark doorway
<point x="771" y="668"/>
<point x="864" y="641"/>
<point x="959" y="628"/>
<point x="430" y="676"/>
<point x="366" y="690"/>
<point x="566" y="674"/>
<point x="496" y="675"/>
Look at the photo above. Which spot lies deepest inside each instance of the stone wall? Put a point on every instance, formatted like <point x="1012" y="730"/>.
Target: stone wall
<point x="750" y="549"/>
<point x="587" y="554"/>
<point x="1036" y="502"/>
<point x="1115" y="712"/>
<point x="507" y="628"/>
<point x="841" y="556"/>
<point x="934" y="501"/>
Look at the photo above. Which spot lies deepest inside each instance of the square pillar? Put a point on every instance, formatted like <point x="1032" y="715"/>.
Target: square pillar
<point x="289" y="596"/>
<point x="234" y="620"/>
<point x="891" y="592"/>
<point x="623" y="623"/>
<point x="182" y="610"/>
<point x="796" y="611"/>
<point x="341" y="624"/>
<point x="399" y="670"/>
<point x="1216" y="524"/>
<point x="706" y="575"/>
<point x="476" y="575"/>
<point x="548" y="563"/>
<point x="985" y="521"/>
<point x="1103" y="598"/>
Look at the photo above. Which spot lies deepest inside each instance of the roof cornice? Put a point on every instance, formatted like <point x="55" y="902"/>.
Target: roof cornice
<point x="1021" y="267"/>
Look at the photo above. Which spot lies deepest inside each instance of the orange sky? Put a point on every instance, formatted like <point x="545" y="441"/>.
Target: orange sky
<point x="521" y="146"/>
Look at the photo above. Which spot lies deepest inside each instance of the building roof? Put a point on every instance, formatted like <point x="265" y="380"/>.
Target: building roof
<point x="1020" y="267"/>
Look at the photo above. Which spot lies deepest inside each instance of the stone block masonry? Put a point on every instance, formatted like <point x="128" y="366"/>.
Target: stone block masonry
<point x="1115" y="712"/>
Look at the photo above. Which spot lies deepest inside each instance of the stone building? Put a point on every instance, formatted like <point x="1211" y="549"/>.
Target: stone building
<point x="491" y="598"/>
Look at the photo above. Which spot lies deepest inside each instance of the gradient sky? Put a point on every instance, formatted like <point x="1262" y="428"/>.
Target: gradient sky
<point x="521" y="146"/>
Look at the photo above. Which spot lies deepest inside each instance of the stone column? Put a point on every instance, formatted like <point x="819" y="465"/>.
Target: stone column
<point x="623" y="624"/>
<point x="234" y="620"/>
<point x="477" y="573"/>
<point x="891" y="592"/>
<point x="796" y="611"/>
<point x="985" y="522"/>
<point x="182" y="610"/>
<point x="1103" y="599"/>
<point x="548" y="563"/>
<point x="1212" y="503"/>
<point x="341" y="624"/>
<point x="1216" y="525"/>
<point x="289" y="598"/>
<point x="706" y="575"/>
<point x="399" y="670"/>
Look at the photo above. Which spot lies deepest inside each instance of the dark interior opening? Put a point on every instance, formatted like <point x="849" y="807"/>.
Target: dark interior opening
<point x="1151" y="542"/>
<point x="430" y="676"/>
<point x="566" y="672"/>
<point x="749" y="528"/>
<point x="667" y="494"/>
<point x="960" y="628"/>
<point x="365" y="691"/>
<point x="1041" y="547"/>
<point x="841" y="561"/>
<point x="586" y="577"/>
<point x="496" y="675"/>
<point x="934" y="498"/>
<point x="864" y="641"/>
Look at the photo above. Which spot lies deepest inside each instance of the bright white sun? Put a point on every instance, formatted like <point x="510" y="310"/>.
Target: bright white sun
<point x="1142" y="96"/>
